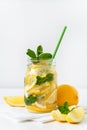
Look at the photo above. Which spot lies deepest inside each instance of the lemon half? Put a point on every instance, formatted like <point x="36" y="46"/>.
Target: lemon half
<point x="76" y="115"/>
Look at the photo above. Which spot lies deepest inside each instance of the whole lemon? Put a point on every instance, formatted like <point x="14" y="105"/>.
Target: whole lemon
<point x="67" y="93"/>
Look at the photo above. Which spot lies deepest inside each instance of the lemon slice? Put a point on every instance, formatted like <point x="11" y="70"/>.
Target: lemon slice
<point x="30" y="82"/>
<point x="45" y="90"/>
<point x="40" y="105"/>
<point x="15" y="101"/>
<point x="52" y="98"/>
<point x="76" y="115"/>
<point x="39" y="109"/>
<point x="58" y="116"/>
<point x="72" y="107"/>
<point x="36" y="92"/>
<point x="48" y="100"/>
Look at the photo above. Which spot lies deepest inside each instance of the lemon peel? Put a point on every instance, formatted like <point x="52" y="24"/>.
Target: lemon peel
<point x="58" y="116"/>
<point x="15" y="101"/>
<point x="76" y="115"/>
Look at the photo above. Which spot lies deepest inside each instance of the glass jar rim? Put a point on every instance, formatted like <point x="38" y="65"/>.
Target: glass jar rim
<point x="38" y="61"/>
<point x="29" y="59"/>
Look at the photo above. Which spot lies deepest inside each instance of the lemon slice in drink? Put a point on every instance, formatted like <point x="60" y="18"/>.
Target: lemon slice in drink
<point x="40" y="105"/>
<point x="30" y="82"/>
<point x="76" y="115"/>
<point x="40" y="108"/>
<point x="52" y="98"/>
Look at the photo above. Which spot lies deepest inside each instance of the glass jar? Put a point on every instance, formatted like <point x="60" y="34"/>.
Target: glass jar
<point x="40" y="86"/>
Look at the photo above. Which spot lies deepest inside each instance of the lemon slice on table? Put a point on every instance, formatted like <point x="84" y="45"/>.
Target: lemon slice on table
<point x="76" y="115"/>
<point x="15" y="101"/>
<point x="58" y="116"/>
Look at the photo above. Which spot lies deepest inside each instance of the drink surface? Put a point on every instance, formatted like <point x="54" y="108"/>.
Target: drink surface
<point x="40" y="87"/>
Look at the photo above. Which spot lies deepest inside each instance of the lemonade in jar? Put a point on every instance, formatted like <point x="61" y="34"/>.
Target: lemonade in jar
<point x="40" y="82"/>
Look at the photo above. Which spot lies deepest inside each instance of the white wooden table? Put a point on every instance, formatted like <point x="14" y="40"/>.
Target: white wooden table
<point x="6" y="124"/>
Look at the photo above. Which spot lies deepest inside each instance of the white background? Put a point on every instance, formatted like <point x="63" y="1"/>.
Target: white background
<point x="27" y="23"/>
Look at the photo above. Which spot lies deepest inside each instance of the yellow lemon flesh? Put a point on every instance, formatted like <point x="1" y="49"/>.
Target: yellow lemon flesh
<point x="45" y="105"/>
<point x="15" y="101"/>
<point x="40" y="108"/>
<point x="76" y="115"/>
<point x="30" y="81"/>
<point x="58" y="116"/>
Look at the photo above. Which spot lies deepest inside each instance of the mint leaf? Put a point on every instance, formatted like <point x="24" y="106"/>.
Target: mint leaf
<point x="39" y="50"/>
<point x="41" y="80"/>
<point x="29" y="100"/>
<point x="45" y="56"/>
<point x="64" y="109"/>
<point x="31" y="53"/>
<point x="49" y="77"/>
<point x="39" y="55"/>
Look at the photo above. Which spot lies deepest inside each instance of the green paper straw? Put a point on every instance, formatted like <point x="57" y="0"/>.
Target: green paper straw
<point x="59" y="41"/>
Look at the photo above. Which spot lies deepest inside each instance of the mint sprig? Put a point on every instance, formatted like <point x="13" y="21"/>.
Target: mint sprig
<point x="41" y="80"/>
<point x="64" y="109"/>
<point x="38" y="55"/>
<point x="29" y="100"/>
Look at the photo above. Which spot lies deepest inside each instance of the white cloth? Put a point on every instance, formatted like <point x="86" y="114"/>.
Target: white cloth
<point x="22" y="114"/>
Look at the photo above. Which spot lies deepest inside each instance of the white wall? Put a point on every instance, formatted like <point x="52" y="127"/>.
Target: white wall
<point x="27" y="23"/>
